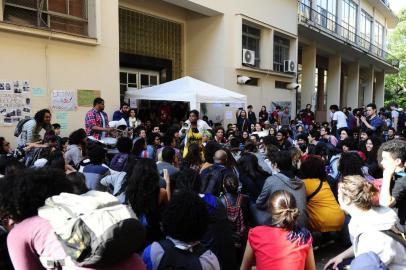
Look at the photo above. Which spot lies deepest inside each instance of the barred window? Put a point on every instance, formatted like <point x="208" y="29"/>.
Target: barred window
<point x="280" y="52"/>
<point x="70" y="16"/>
<point x="251" y="40"/>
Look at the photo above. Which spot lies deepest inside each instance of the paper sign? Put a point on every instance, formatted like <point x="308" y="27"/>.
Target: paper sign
<point x="133" y="103"/>
<point x="15" y="101"/>
<point x="62" y="119"/>
<point x="39" y="92"/>
<point x="63" y="100"/>
<point x="86" y="97"/>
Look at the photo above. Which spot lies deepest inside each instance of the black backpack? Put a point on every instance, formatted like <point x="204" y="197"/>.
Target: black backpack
<point x="401" y="120"/>
<point x="178" y="259"/>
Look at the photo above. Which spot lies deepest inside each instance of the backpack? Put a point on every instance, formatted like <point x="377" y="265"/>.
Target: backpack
<point x="94" y="229"/>
<point x="236" y="218"/>
<point x="211" y="180"/>
<point x="19" y="127"/>
<point x="402" y="119"/>
<point x="118" y="162"/>
<point x="175" y="258"/>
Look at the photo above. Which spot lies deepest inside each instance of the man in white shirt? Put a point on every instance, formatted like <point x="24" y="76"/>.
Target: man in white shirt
<point x="339" y="119"/>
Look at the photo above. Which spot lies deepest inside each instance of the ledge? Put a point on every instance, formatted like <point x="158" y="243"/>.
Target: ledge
<point x="267" y="72"/>
<point x="48" y="34"/>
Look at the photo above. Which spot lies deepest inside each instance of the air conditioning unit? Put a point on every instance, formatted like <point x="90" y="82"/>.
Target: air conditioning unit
<point x="289" y="66"/>
<point x="248" y="57"/>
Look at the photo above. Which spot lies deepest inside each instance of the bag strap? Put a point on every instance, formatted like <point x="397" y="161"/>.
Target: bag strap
<point x="315" y="192"/>
<point x="397" y="236"/>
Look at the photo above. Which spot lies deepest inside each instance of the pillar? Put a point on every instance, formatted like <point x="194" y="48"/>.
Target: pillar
<point x="333" y="80"/>
<point x="339" y="17"/>
<point x="380" y="89"/>
<point x="308" y="75"/>
<point x="353" y="85"/>
<point x="369" y="85"/>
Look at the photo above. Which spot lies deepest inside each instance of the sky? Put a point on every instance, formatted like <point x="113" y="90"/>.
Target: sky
<point x="397" y="5"/>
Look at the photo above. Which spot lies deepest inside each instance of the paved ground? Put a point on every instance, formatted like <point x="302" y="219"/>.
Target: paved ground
<point x="326" y="252"/>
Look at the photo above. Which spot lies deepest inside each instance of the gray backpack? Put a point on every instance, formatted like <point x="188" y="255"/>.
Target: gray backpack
<point x="19" y="127"/>
<point x="94" y="229"/>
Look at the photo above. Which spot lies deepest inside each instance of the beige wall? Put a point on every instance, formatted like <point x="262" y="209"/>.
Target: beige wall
<point x="58" y="64"/>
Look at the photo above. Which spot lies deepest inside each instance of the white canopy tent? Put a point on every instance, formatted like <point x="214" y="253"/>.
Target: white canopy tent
<point x="187" y="89"/>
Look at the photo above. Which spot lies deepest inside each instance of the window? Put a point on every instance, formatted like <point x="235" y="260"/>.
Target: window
<point x="134" y="78"/>
<point x="250" y="40"/>
<point x="327" y="13"/>
<point x="280" y="52"/>
<point x="379" y="30"/>
<point x="349" y="20"/>
<point x="365" y="31"/>
<point x="70" y="16"/>
<point x="305" y="8"/>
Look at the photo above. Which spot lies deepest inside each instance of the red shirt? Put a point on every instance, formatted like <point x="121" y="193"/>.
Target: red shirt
<point x="273" y="250"/>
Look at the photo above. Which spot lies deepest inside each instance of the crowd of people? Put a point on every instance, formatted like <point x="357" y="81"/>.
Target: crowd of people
<point x="264" y="192"/>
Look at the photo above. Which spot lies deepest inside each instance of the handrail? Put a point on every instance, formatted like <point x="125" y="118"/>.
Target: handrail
<point x="327" y="23"/>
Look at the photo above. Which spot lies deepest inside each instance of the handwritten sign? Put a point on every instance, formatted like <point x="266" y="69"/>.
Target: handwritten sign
<point x="15" y="101"/>
<point x="86" y="97"/>
<point x="62" y="119"/>
<point x="63" y="100"/>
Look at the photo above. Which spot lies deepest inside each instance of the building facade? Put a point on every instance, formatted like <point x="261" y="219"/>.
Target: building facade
<point x="342" y="52"/>
<point x="257" y="48"/>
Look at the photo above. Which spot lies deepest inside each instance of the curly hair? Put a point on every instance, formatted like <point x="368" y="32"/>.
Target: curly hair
<point x="313" y="167"/>
<point x="39" y="116"/>
<point x="396" y="148"/>
<point x="77" y="136"/>
<point x="185" y="180"/>
<point x="210" y="150"/>
<point x="142" y="187"/>
<point x="186" y="217"/>
<point x="350" y="164"/>
<point x="357" y="189"/>
<point x="22" y="195"/>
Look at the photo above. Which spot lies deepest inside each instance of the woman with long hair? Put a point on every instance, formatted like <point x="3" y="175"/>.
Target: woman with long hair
<point x="252" y="176"/>
<point x="371" y="152"/>
<point x="283" y="244"/>
<point x="243" y="123"/>
<point x="263" y="115"/>
<point x="193" y="159"/>
<point x="143" y="192"/>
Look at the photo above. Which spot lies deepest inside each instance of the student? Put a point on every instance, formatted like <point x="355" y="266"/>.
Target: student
<point x="372" y="122"/>
<point x="168" y="161"/>
<point x="31" y="129"/>
<point x="283" y="245"/>
<point x="95" y="171"/>
<point x="284" y="179"/>
<point x="368" y="225"/>
<point x="393" y="190"/>
<point x="76" y="143"/>
<point x="33" y="237"/>
<point x="324" y="212"/>
<point x="118" y="162"/>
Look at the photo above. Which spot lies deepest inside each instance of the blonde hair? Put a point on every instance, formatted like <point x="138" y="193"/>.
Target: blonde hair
<point x="358" y="190"/>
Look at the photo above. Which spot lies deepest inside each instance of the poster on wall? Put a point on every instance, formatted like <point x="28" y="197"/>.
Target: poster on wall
<point x="86" y="97"/>
<point x="282" y="104"/>
<point x="63" y="100"/>
<point x="15" y="101"/>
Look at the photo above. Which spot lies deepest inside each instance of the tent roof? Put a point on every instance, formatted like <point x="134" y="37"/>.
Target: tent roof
<point x="187" y="89"/>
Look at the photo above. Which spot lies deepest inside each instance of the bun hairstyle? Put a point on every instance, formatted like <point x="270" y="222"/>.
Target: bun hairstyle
<point x="358" y="190"/>
<point x="282" y="206"/>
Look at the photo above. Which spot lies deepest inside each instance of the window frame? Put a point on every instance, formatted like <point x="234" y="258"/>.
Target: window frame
<point x="350" y="31"/>
<point x="284" y="50"/>
<point x="46" y="25"/>
<point x="366" y="38"/>
<point x="256" y="38"/>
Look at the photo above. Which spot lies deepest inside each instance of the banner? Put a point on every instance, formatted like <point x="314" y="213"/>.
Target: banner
<point x="63" y="100"/>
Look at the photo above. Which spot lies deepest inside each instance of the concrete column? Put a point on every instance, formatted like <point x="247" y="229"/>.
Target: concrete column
<point x="380" y="89"/>
<point x="369" y="85"/>
<point x="308" y="75"/>
<point x="353" y="85"/>
<point x="334" y="80"/>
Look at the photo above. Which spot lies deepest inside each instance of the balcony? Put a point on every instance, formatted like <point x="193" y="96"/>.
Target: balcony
<point x="327" y="24"/>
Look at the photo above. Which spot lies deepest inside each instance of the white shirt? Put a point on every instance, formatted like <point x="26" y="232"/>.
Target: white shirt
<point x="341" y="119"/>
